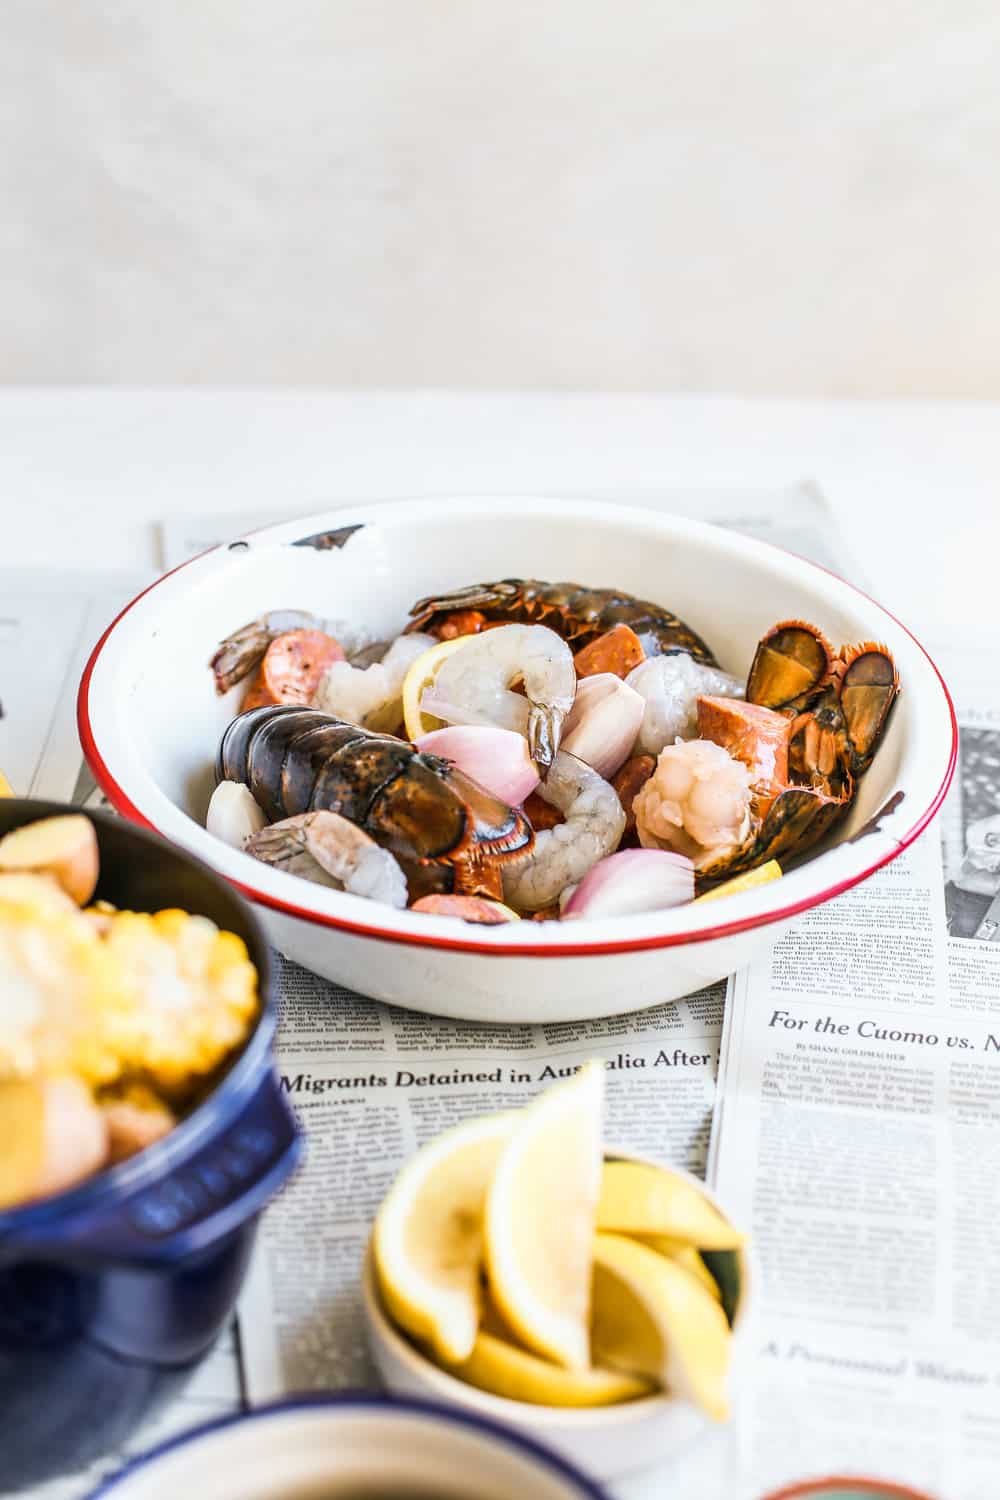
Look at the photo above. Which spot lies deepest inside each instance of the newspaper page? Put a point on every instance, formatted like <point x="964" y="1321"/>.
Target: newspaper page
<point x="858" y="1137"/>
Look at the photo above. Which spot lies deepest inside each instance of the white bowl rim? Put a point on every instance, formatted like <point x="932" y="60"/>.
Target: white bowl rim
<point x="334" y="1401"/>
<point x="500" y="941"/>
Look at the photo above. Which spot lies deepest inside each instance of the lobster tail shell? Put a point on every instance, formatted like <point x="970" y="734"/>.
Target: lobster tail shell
<point x="419" y="806"/>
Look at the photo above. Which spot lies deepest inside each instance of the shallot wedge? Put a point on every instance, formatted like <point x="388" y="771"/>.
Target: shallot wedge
<point x="498" y="759"/>
<point x="602" y="724"/>
<point x="234" y="815"/>
<point x="633" y="881"/>
<point x="324" y="847"/>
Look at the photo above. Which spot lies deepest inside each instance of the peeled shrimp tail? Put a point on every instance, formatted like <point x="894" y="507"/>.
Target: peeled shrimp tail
<point x="329" y="849"/>
<point x="473" y="686"/>
<point x="595" y="822"/>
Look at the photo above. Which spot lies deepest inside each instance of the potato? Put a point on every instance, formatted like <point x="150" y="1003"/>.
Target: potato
<point x="55" y="1136"/>
<point x="38" y="893"/>
<point x="63" y="847"/>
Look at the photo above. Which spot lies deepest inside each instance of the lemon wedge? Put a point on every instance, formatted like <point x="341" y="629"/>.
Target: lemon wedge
<point x="498" y="1366"/>
<point x="640" y="1199"/>
<point x="748" y="881"/>
<point x="539" y="1221"/>
<point x="685" y="1255"/>
<point x="427" y="1242"/>
<point x="419" y="676"/>
<point x="6" y="790"/>
<point x="653" y="1318"/>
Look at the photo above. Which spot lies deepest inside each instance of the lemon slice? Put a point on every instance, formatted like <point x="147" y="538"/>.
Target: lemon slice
<point x="639" y="1199"/>
<point x="419" y="676"/>
<point x="685" y="1255"/>
<point x="539" y="1223"/>
<point x="748" y="881"/>
<point x="653" y="1318"/>
<point x="6" y="790"/>
<point x="427" y="1242"/>
<point x="499" y="1366"/>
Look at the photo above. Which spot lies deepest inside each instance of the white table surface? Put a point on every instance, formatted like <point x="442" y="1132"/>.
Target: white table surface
<point x="86" y="475"/>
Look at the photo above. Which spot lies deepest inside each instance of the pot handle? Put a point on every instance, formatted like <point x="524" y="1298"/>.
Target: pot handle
<point x="191" y="1209"/>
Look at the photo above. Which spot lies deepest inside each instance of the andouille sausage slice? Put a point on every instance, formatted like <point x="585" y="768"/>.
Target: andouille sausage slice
<point x="292" y="667"/>
<point x="754" y="735"/>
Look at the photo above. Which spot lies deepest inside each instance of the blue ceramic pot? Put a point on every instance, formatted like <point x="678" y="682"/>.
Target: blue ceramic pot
<point x="111" y="1293"/>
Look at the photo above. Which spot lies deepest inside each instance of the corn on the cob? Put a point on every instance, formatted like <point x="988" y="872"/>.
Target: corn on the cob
<point x="59" y="989"/>
<point x="192" y="996"/>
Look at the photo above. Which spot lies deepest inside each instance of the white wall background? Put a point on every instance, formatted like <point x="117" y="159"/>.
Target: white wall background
<point x="742" y="195"/>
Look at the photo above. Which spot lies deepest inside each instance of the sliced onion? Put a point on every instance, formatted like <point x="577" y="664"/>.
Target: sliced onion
<point x="632" y="881"/>
<point x="234" y="814"/>
<point x="602" y="725"/>
<point x="497" y="758"/>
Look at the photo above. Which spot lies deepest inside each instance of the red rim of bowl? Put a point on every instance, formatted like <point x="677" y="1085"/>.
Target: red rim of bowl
<point x="123" y="804"/>
<point x="820" y="1487"/>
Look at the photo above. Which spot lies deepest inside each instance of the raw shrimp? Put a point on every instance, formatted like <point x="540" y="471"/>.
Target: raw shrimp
<point x="240" y="652"/>
<point x="370" y="696"/>
<point x="473" y="686"/>
<point x="595" y="821"/>
<point x="671" y="686"/>
<point x="696" y="802"/>
<point x="326" y="848"/>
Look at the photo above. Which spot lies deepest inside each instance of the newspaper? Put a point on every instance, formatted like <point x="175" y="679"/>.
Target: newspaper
<point x="299" y="1323"/>
<point x="859" y="1139"/>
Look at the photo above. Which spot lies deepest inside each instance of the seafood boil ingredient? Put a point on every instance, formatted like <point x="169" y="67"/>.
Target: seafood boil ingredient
<point x="419" y="679"/>
<point x="594" y="823"/>
<point x="427" y="1242"/>
<point x="636" y="1198"/>
<point x="60" y="990"/>
<point x="292" y="668"/>
<point x="631" y="881"/>
<point x="35" y="893"/>
<point x="550" y="1311"/>
<point x="697" y="801"/>
<point x="756" y="736"/>
<point x="136" y="1119"/>
<point x="498" y="1365"/>
<point x="467" y="909"/>
<point x="628" y="781"/>
<point x="670" y="687"/>
<point x="53" y="1136"/>
<point x="578" y="614"/>
<point x="191" y="995"/>
<point x="64" y="847"/>
<point x="298" y="760"/>
<point x="238" y="655"/>
<point x="100" y="1011"/>
<point x="372" y="696"/>
<point x="315" y="844"/>
<point x="497" y="759"/>
<point x="653" y="1318"/>
<point x="473" y="685"/>
<point x="539" y="1219"/>
<point x="619" y="652"/>
<point x="748" y="881"/>
<point x="603" y="723"/>
<point x="6" y="790"/>
<point x="233" y="814"/>
<point x="686" y="1256"/>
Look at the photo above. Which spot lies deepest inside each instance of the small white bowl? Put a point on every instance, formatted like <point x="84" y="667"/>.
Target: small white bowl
<point x="150" y="724"/>
<point x="608" y="1441"/>
<point x="316" y="1447"/>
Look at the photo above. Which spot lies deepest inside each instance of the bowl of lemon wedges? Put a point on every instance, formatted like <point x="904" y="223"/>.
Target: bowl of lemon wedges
<point x="522" y="1269"/>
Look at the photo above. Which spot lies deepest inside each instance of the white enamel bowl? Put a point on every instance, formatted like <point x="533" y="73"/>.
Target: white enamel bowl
<point x="608" y="1441"/>
<point x="319" y="1447"/>
<point x="150" y="723"/>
